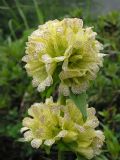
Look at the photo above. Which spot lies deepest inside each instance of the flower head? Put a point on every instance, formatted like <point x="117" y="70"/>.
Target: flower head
<point x="50" y="122"/>
<point x="65" y="45"/>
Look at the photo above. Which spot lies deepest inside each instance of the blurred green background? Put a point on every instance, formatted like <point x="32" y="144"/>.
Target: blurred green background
<point x="18" y="18"/>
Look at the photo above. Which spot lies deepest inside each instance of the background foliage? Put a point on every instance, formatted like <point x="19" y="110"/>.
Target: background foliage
<point x="18" y="19"/>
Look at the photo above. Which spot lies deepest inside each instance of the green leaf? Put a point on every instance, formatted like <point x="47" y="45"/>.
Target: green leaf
<point x="81" y="102"/>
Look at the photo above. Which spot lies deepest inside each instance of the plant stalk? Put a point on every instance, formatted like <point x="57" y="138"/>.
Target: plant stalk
<point x="62" y="99"/>
<point x="60" y="155"/>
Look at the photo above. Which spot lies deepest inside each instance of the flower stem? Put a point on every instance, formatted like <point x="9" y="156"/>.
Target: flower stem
<point x="60" y="155"/>
<point x="62" y="99"/>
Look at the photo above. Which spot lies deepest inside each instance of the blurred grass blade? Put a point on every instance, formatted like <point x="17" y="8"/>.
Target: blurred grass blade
<point x="10" y="24"/>
<point x="12" y="12"/>
<point x="39" y="12"/>
<point x="22" y="14"/>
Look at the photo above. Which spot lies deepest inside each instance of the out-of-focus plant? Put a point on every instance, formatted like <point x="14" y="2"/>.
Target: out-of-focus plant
<point x="11" y="72"/>
<point x="112" y="143"/>
<point x="17" y="16"/>
<point x="108" y="77"/>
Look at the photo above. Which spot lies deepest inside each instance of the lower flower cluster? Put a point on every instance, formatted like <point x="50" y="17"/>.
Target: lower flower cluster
<point x="49" y="123"/>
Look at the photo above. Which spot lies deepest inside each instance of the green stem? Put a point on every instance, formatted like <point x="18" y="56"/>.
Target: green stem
<point x="62" y="99"/>
<point x="79" y="157"/>
<point x="60" y="155"/>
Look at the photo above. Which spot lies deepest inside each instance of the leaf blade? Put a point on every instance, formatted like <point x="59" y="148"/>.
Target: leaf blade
<point x="81" y="102"/>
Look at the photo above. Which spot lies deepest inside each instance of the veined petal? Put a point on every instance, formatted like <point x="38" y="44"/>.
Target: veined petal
<point x="28" y="136"/>
<point x="36" y="143"/>
<point x="23" y="129"/>
<point x="62" y="133"/>
<point x="49" y="142"/>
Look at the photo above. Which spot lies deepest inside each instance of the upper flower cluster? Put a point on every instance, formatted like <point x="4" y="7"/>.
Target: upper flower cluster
<point x="65" y="46"/>
<point x="50" y="122"/>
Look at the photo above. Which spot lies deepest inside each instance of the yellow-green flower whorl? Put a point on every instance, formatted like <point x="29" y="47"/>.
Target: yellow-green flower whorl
<point x="51" y="122"/>
<point x="65" y="44"/>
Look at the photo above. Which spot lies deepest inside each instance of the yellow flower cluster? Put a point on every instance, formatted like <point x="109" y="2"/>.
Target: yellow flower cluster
<point x="50" y="122"/>
<point x="65" y="46"/>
